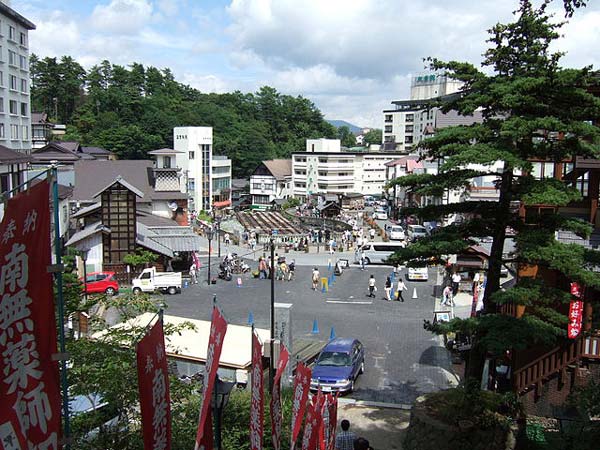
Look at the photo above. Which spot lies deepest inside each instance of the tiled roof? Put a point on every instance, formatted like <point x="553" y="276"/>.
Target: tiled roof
<point x="279" y="168"/>
<point x="95" y="151"/>
<point x="88" y="231"/>
<point x="8" y="156"/>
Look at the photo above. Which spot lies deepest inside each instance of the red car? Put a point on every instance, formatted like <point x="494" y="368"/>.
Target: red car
<point x="101" y="282"/>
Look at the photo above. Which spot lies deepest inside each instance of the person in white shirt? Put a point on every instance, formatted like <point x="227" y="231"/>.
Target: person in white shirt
<point x="372" y="287"/>
<point x="455" y="283"/>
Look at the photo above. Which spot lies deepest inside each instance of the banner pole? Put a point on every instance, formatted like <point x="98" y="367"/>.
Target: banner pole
<point x="61" y="312"/>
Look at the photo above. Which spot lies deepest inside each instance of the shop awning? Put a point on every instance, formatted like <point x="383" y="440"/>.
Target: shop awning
<point x="222" y="204"/>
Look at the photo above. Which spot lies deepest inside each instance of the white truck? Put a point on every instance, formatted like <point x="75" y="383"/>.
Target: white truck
<point x="150" y="281"/>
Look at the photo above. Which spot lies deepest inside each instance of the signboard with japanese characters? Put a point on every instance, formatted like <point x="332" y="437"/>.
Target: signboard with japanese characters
<point x="311" y="425"/>
<point x="29" y="386"/>
<point x="276" y="412"/>
<point x="575" y="312"/>
<point x="301" y="389"/>
<point x="218" y="328"/>
<point x="328" y="422"/>
<point x="153" y="384"/>
<point x="257" y="402"/>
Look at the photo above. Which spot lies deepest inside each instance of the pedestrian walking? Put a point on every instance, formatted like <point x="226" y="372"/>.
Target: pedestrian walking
<point x="455" y="283"/>
<point x="362" y="259"/>
<point x="372" y="233"/>
<point x="372" y="287"/>
<point x="344" y="440"/>
<point x="291" y="269"/>
<point x="227" y="239"/>
<point x="193" y="274"/>
<point x="388" y="288"/>
<point x="315" y="279"/>
<point x="447" y="299"/>
<point x="399" y="289"/>
<point x="262" y="268"/>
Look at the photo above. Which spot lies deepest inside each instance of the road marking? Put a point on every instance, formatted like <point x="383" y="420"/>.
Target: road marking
<point x="351" y="303"/>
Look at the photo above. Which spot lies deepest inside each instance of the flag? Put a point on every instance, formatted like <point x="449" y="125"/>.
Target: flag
<point x="575" y="312"/>
<point x="257" y="404"/>
<point x="311" y="425"/>
<point x="218" y="328"/>
<point x="153" y="384"/>
<point x="329" y="422"/>
<point x="301" y="389"/>
<point x="29" y="379"/>
<point x="276" y="414"/>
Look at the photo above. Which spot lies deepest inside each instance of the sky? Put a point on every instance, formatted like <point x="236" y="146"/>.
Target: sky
<point x="350" y="57"/>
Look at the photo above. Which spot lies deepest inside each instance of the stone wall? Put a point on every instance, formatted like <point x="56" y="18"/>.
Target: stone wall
<point x="428" y="433"/>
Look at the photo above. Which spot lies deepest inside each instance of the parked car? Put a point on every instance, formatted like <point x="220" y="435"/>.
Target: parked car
<point x="338" y="366"/>
<point x="397" y="233"/>
<point x="415" y="232"/>
<point x="418" y="273"/>
<point x="101" y="283"/>
<point x="380" y="214"/>
<point x="150" y="280"/>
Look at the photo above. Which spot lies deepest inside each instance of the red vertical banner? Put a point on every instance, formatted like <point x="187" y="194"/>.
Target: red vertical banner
<point x="29" y="386"/>
<point x="301" y="389"/>
<point x="575" y="312"/>
<point x="153" y="384"/>
<point x="218" y="328"/>
<point x="257" y="403"/>
<point x="311" y="425"/>
<point x="329" y="422"/>
<point x="276" y="413"/>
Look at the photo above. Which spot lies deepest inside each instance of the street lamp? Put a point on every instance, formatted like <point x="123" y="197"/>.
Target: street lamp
<point x="84" y="255"/>
<point x="209" y="236"/>
<point x="272" y="340"/>
<point x="222" y="389"/>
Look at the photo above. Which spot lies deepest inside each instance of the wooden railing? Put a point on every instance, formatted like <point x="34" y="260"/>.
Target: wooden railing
<point x="591" y="347"/>
<point x="552" y="362"/>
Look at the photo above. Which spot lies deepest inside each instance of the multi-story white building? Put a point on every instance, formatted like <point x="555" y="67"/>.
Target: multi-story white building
<point x="404" y="125"/>
<point x="15" y="109"/>
<point x="272" y="180"/>
<point x="207" y="178"/>
<point x="325" y="168"/>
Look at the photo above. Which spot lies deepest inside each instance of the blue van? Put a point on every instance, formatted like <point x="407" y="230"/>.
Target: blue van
<point x="338" y="366"/>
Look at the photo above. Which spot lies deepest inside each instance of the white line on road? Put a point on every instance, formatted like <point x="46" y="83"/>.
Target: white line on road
<point x="351" y="303"/>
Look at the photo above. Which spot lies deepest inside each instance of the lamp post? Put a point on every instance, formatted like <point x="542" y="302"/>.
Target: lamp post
<point x="209" y="236"/>
<point x="222" y="389"/>
<point x="84" y="254"/>
<point x="218" y="222"/>
<point x="272" y="336"/>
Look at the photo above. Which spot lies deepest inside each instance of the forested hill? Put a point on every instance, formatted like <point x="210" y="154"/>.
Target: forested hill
<point x="132" y="110"/>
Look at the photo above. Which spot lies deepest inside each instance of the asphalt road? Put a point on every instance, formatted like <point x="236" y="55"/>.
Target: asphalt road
<point x="403" y="360"/>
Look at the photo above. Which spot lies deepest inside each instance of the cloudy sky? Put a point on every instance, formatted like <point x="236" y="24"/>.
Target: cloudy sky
<point x="350" y="57"/>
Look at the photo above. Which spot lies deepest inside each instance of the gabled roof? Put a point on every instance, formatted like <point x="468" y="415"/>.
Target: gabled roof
<point x="69" y="145"/>
<point x="278" y="168"/>
<point x="55" y="151"/>
<point x="87" y="210"/>
<point x="8" y="156"/>
<point x="88" y="231"/>
<point x="122" y="182"/>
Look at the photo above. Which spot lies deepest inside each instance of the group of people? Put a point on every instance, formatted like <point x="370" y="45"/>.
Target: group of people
<point x="348" y="440"/>
<point x="390" y="293"/>
<point x="283" y="269"/>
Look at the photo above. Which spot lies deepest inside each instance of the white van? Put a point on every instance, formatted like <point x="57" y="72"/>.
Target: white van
<point x="378" y="252"/>
<point x="416" y="232"/>
<point x="397" y="233"/>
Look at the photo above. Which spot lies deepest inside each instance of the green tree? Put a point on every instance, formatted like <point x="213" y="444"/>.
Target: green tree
<point x="375" y="136"/>
<point x="346" y="137"/>
<point x="532" y="109"/>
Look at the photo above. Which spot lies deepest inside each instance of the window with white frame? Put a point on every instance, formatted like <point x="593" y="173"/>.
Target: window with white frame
<point x="13" y="82"/>
<point x="23" y="39"/>
<point x="23" y="85"/>
<point x="1" y="104"/>
<point x="22" y="62"/>
<point x="2" y="131"/>
<point x="191" y="155"/>
<point x="14" y="131"/>
<point x="1" y="78"/>
<point x="12" y="33"/>
<point x="12" y="107"/>
<point x="12" y="58"/>
<point x="25" y="132"/>
<point x="24" y="109"/>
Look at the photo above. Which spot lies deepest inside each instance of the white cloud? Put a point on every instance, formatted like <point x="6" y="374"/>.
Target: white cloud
<point x="122" y="16"/>
<point x="169" y="8"/>
<point x="206" y="83"/>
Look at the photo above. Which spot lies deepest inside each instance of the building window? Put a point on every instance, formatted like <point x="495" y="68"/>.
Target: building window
<point x="24" y="109"/>
<point x="261" y="199"/>
<point x="582" y="184"/>
<point x="13" y="82"/>
<point x="410" y="118"/>
<point x="388" y="128"/>
<point x="192" y="155"/>
<point x="22" y="62"/>
<point x="388" y="118"/>
<point x="191" y="184"/>
<point x="23" y="39"/>
<point x="25" y="133"/>
<point x="408" y="128"/>
<point x="1" y="78"/>
<point x="2" y="131"/>
<point x="408" y="139"/>
<point x="12" y="34"/>
<point x="23" y="85"/>
<point x="12" y="58"/>
<point x="12" y="107"/>
<point x="1" y="104"/>
<point x="166" y="162"/>
<point x="14" y="131"/>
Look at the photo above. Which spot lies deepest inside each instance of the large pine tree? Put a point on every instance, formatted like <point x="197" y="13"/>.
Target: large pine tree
<point x="532" y="109"/>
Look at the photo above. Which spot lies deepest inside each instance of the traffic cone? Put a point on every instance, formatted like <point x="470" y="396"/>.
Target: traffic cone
<point x="250" y="318"/>
<point x="315" y="329"/>
<point x="332" y="334"/>
<point x="415" y="293"/>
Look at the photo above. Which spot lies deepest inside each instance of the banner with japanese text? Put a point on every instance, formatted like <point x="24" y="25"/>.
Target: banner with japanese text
<point x="311" y="425"/>
<point x="575" y="312"/>
<point x="30" y="406"/>
<point x="153" y="384"/>
<point x="218" y="328"/>
<point x="257" y="402"/>
<point x="301" y="390"/>
<point x="328" y="422"/>
<point x="276" y="412"/>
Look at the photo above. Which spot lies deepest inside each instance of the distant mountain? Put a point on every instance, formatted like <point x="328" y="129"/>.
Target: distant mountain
<point x="340" y="123"/>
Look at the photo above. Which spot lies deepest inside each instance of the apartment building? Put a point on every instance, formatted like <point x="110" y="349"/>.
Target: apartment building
<point x="207" y="177"/>
<point x="327" y="168"/>
<point x="15" y="109"/>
